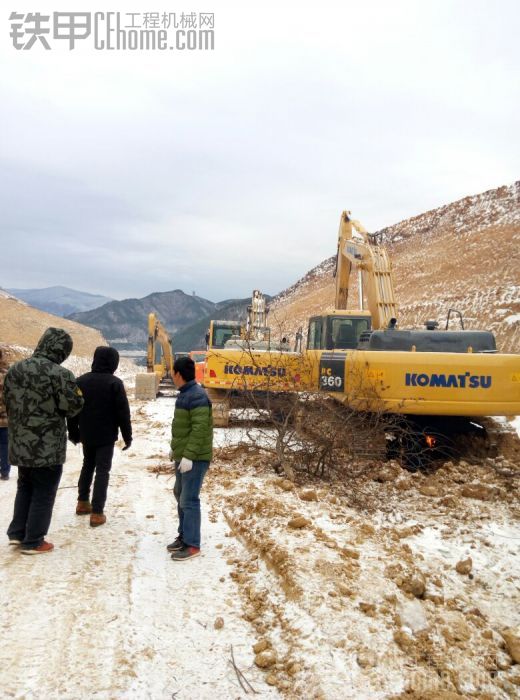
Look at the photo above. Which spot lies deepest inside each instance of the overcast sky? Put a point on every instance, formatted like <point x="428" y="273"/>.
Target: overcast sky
<point x="125" y="173"/>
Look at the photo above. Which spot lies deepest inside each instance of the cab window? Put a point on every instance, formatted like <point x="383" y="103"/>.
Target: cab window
<point x="343" y="333"/>
<point x="221" y="334"/>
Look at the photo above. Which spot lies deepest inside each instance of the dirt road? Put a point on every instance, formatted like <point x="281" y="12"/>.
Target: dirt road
<point x="341" y="602"/>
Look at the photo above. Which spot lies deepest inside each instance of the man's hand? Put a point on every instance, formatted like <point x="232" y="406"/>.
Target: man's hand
<point x="128" y="444"/>
<point x="185" y="465"/>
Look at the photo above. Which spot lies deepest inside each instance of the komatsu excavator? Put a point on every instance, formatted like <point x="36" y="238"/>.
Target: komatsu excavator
<point x="361" y="358"/>
<point x="238" y="359"/>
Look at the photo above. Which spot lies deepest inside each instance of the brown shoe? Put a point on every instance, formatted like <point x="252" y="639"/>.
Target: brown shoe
<point x="42" y="548"/>
<point x="83" y="508"/>
<point x="97" y="519"/>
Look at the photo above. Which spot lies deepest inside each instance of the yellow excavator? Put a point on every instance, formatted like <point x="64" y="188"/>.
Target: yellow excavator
<point x="159" y="356"/>
<point x="159" y="362"/>
<point x="361" y="358"/>
<point x="232" y="347"/>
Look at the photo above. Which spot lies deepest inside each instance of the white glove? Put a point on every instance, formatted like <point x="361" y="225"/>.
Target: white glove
<point x="185" y="465"/>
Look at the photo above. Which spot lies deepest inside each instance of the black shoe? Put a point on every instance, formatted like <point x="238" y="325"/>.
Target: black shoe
<point x="5" y="477"/>
<point x="176" y="545"/>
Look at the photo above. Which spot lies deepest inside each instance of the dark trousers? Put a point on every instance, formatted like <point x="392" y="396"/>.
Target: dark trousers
<point x="187" y="491"/>
<point x="35" y="496"/>
<point x="98" y="460"/>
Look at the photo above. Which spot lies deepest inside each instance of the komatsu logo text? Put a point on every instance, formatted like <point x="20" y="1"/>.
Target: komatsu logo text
<point x="453" y="381"/>
<point x="255" y="371"/>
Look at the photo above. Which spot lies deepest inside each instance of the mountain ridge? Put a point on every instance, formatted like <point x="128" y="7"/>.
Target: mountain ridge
<point x="185" y="316"/>
<point x="58" y="299"/>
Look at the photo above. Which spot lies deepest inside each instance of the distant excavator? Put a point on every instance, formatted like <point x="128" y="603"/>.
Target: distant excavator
<point x="159" y="356"/>
<point x="159" y="361"/>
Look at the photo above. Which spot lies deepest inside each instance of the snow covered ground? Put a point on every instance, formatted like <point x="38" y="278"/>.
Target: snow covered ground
<point x="108" y="614"/>
<point x="348" y="603"/>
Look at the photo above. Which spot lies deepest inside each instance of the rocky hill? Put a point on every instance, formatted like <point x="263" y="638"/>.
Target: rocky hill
<point x="464" y="255"/>
<point x="60" y="301"/>
<point x="21" y="325"/>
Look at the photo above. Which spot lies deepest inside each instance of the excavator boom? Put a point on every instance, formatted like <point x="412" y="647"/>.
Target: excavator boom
<point x="157" y="334"/>
<point x="359" y="249"/>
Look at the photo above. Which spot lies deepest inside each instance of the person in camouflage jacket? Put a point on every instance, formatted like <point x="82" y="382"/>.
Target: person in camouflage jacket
<point x="5" y="467"/>
<point x="39" y="396"/>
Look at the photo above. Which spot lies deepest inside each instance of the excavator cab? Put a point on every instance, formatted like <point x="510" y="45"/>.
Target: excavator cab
<point x="220" y="332"/>
<point x="337" y="331"/>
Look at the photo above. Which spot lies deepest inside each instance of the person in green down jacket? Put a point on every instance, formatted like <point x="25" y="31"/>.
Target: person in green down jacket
<point x="191" y="449"/>
<point x="39" y="395"/>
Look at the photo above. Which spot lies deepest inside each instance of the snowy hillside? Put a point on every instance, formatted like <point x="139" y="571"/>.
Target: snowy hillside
<point x="21" y="324"/>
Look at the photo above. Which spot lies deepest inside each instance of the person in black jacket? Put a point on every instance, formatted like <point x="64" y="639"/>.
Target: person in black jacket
<point x="106" y="411"/>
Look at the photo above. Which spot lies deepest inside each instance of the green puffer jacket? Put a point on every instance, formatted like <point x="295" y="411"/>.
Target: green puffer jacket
<point x="192" y="426"/>
<point x="39" y="395"/>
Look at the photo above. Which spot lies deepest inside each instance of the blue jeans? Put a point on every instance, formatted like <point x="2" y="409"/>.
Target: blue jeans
<point x="186" y="491"/>
<point x="5" y="467"/>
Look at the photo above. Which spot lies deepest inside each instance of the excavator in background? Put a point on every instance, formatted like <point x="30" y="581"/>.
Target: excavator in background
<point x="230" y="344"/>
<point x="232" y="334"/>
<point x="159" y="362"/>
<point x="159" y="356"/>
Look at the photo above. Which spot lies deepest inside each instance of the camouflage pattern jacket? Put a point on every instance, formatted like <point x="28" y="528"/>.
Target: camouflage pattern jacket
<point x="39" y="396"/>
<point x="3" y="412"/>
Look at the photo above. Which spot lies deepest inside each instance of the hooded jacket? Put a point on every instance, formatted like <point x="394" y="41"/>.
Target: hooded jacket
<point x="39" y="395"/>
<point x="192" y="425"/>
<point x="3" y="372"/>
<point x="106" y="409"/>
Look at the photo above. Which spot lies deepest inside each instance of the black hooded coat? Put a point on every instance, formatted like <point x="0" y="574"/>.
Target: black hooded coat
<point x="106" y="409"/>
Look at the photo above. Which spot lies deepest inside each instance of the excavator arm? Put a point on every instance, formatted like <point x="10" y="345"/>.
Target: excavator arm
<point x="157" y="334"/>
<point x="359" y="249"/>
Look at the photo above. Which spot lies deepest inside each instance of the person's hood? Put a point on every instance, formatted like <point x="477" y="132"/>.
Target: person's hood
<point x="55" y="345"/>
<point x="105" y="360"/>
